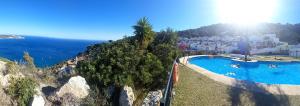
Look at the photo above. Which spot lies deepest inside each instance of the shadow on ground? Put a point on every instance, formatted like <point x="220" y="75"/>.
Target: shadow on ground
<point x="48" y="90"/>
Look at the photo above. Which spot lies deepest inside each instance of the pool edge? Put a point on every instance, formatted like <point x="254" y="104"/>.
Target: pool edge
<point x="278" y="89"/>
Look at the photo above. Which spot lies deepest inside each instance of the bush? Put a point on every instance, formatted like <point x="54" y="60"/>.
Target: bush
<point x="29" y="61"/>
<point x="151" y="71"/>
<point x="22" y="89"/>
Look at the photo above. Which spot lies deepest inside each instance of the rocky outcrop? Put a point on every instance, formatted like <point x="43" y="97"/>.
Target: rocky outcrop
<point x="153" y="98"/>
<point x="70" y="100"/>
<point x="76" y="86"/>
<point x="126" y="96"/>
<point x="4" y="80"/>
<point x="71" y="93"/>
<point x="67" y="99"/>
<point x="5" y="100"/>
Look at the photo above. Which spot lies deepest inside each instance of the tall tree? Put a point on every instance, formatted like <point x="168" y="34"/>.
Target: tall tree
<point x="143" y="33"/>
<point x="168" y="36"/>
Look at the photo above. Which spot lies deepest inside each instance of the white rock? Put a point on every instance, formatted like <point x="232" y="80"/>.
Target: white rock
<point x="126" y="96"/>
<point x="4" y="80"/>
<point x="2" y="66"/>
<point x="5" y="99"/>
<point x="153" y="98"/>
<point x="76" y="86"/>
<point x="38" y="100"/>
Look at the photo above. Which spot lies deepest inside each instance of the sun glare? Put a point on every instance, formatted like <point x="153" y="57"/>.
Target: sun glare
<point x="245" y="12"/>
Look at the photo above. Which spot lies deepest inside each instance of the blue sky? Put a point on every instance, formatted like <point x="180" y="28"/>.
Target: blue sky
<point x="112" y="19"/>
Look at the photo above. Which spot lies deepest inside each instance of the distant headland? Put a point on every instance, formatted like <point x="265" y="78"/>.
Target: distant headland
<point x="11" y="37"/>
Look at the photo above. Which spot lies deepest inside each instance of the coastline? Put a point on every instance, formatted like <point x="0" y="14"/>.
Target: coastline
<point x="45" y="51"/>
<point x="11" y="37"/>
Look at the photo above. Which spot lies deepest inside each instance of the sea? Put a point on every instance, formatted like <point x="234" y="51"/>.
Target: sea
<point x="45" y="51"/>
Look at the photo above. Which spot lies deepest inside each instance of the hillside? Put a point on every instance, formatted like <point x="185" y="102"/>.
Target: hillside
<point x="285" y="32"/>
<point x="139" y="63"/>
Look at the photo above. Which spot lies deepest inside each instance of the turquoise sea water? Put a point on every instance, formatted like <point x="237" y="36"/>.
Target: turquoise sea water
<point x="263" y="72"/>
<point x="45" y="51"/>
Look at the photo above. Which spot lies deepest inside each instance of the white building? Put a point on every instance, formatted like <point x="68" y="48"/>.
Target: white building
<point x="294" y="50"/>
<point x="267" y="43"/>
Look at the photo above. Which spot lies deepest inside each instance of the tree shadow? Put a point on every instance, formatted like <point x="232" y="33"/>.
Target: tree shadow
<point x="256" y="94"/>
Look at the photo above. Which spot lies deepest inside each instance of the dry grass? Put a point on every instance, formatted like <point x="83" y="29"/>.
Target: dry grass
<point x="140" y="95"/>
<point x="194" y="89"/>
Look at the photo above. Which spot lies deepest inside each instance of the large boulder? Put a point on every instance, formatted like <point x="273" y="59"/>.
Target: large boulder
<point x="67" y="99"/>
<point x="153" y="98"/>
<point x="4" y="80"/>
<point x="70" y="100"/>
<point x="71" y="93"/>
<point x="76" y="86"/>
<point x="126" y="96"/>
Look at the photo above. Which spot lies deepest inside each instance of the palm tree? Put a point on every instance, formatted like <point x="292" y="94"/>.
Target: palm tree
<point x="143" y="33"/>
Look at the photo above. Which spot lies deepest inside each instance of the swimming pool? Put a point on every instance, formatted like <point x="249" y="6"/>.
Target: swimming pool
<point x="268" y="72"/>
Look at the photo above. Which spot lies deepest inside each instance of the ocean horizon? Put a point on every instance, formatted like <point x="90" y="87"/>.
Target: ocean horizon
<point x="46" y="51"/>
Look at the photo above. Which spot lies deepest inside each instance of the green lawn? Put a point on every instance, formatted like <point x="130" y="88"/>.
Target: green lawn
<point x="194" y="89"/>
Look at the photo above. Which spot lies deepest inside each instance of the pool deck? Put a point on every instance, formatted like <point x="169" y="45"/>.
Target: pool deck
<point x="259" y="87"/>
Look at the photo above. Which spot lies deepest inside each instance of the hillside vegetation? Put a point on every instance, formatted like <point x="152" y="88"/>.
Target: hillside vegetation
<point x="285" y="32"/>
<point x="141" y="61"/>
<point x="18" y="81"/>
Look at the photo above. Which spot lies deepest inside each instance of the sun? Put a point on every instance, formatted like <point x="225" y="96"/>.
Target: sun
<point x="245" y="12"/>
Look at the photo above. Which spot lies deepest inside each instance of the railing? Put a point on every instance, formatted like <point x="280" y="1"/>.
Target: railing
<point x="167" y="96"/>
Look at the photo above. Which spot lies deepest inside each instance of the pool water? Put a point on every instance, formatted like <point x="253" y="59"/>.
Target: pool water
<point x="261" y="71"/>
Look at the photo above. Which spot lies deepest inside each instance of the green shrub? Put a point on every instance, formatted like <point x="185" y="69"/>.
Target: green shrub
<point x="22" y="89"/>
<point x="150" y="71"/>
<point x="140" y="61"/>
